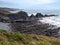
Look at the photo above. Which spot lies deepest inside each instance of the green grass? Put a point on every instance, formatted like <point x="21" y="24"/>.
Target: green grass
<point x="16" y="38"/>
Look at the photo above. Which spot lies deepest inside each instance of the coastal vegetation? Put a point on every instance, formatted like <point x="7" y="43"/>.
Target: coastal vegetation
<point x="16" y="38"/>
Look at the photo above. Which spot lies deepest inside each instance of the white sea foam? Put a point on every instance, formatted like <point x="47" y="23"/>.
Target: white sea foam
<point x="51" y="20"/>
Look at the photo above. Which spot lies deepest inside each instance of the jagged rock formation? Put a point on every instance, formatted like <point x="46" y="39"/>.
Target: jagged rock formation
<point x="7" y="16"/>
<point x="39" y="15"/>
<point x="32" y="17"/>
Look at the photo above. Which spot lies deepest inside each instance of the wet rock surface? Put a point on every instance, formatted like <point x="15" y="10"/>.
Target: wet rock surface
<point x="35" y="28"/>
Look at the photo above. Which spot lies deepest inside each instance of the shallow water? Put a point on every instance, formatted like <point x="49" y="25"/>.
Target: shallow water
<point x="4" y="26"/>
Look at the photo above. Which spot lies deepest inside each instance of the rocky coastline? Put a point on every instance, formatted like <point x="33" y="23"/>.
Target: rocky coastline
<point x="35" y="28"/>
<point x="21" y="22"/>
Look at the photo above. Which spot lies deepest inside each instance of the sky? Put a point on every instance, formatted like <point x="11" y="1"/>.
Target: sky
<point x="31" y="4"/>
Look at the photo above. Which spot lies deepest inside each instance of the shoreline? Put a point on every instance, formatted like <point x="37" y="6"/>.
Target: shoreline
<point x="36" y="27"/>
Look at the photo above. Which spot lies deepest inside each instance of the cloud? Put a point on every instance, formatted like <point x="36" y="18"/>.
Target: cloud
<point x="6" y="3"/>
<point x="34" y="2"/>
<point x="44" y="1"/>
<point x="25" y="3"/>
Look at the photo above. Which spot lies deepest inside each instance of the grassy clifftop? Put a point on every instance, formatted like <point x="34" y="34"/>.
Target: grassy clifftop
<point x="16" y="38"/>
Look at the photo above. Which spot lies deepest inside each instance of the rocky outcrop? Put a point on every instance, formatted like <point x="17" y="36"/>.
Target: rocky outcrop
<point x="23" y="14"/>
<point x="39" y="15"/>
<point x="32" y="16"/>
<point x="20" y="16"/>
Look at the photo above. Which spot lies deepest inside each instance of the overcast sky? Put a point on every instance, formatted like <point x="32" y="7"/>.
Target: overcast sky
<point x="31" y="4"/>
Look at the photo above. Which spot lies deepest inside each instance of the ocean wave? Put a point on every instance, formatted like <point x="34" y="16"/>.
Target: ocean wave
<point x="51" y="20"/>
